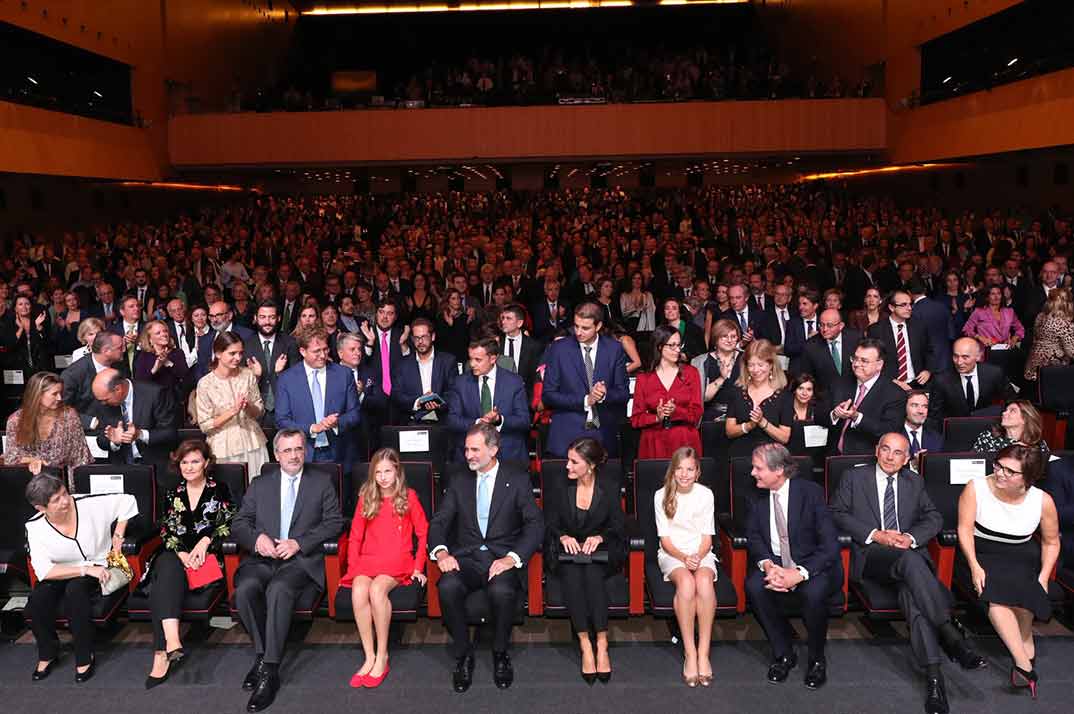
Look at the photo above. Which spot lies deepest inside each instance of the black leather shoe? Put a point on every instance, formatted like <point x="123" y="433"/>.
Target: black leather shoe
<point x="40" y="674"/>
<point x="250" y="681"/>
<point x="781" y="667"/>
<point x="935" y="697"/>
<point x="463" y="676"/>
<point x="264" y="693"/>
<point x="817" y="674"/>
<point x="81" y="677"/>
<point x="502" y="671"/>
<point x="966" y="656"/>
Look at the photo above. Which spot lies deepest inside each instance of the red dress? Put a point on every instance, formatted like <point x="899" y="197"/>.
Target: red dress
<point x="384" y="545"/>
<point x="656" y="441"/>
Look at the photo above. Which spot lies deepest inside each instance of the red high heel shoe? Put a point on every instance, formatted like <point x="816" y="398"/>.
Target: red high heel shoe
<point x="1022" y="679"/>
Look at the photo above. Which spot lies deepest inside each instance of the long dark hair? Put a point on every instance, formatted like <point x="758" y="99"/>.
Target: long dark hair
<point x="659" y="338"/>
<point x="221" y="343"/>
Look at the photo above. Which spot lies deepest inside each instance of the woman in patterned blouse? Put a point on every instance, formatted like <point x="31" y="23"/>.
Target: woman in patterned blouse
<point x="198" y="516"/>
<point x="1053" y="334"/>
<point x="1019" y="424"/>
<point x="43" y="432"/>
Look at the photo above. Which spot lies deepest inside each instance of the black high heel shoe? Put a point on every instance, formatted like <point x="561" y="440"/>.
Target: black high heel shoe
<point x="1021" y="679"/>
<point x="83" y="677"/>
<point x="589" y="677"/>
<point x="40" y="674"/>
<point x="604" y="677"/>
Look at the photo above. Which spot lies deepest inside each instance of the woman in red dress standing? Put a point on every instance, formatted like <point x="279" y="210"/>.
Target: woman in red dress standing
<point x="667" y="400"/>
<point x="381" y="555"/>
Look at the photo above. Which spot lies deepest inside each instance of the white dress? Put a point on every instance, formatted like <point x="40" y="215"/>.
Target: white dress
<point x="695" y="517"/>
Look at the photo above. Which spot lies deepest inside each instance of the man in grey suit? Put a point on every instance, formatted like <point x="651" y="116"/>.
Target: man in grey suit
<point x="285" y="519"/>
<point x="889" y="515"/>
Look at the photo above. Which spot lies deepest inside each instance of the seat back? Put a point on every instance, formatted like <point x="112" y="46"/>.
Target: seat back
<point x="408" y="441"/>
<point x="744" y="489"/>
<point x="233" y="476"/>
<point x="959" y="433"/>
<point x="936" y="470"/>
<point x="648" y="479"/>
<point x="1055" y="388"/>
<point x="836" y="466"/>
<point x="461" y="469"/>
<point x="15" y="510"/>
<point x="553" y="475"/>
<point x="333" y="471"/>
<point x="419" y="477"/>
<point x="189" y="434"/>
<point x="139" y="480"/>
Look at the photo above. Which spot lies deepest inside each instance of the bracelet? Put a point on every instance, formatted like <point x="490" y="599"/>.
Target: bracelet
<point x="82" y="570"/>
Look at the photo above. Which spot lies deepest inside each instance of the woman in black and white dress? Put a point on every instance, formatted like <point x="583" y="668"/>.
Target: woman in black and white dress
<point x="69" y="541"/>
<point x="997" y="517"/>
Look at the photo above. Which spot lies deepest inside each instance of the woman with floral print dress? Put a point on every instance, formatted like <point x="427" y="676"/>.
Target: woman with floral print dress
<point x="199" y="514"/>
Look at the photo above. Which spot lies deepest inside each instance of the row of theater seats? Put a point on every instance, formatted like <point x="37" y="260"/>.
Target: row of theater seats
<point x="639" y="589"/>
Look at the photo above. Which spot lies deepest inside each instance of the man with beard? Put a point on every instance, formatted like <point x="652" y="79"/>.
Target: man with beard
<point x="269" y="353"/>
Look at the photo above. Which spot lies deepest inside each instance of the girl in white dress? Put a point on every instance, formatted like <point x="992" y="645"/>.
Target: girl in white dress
<point x="686" y="525"/>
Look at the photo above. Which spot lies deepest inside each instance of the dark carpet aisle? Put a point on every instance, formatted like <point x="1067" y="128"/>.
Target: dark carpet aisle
<point x="864" y="677"/>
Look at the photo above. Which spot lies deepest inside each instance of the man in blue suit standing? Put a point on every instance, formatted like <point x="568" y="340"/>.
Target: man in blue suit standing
<point x="585" y="385"/>
<point x="320" y="400"/>
<point x="493" y="396"/>
<point x="422" y="373"/>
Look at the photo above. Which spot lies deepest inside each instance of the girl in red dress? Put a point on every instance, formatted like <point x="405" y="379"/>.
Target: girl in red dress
<point x="667" y="400"/>
<point x="381" y="555"/>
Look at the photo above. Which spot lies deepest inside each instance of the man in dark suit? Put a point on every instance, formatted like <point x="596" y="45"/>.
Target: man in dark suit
<point x="585" y="385"/>
<point x="524" y="351"/>
<point x="935" y="315"/>
<point x="971" y="379"/>
<point x="371" y="399"/>
<point x="803" y="326"/>
<point x="105" y="308"/>
<point x="221" y="319"/>
<point x="1033" y="298"/>
<point x="182" y="330"/>
<point x="290" y="308"/>
<point x="386" y="343"/>
<point x="913" y="357"/>
<point x="287" y="516"/>
<point x="105" y="352"/>
<point x="549" y="314"/>
<point x="919" y="435"/>
<point x="486" y="529"/>
<point x="867" y="404"/>
<point x="793" y="553"/>
<point x="269" y="354"/>
<point x="319" y="399"/>
<point x="492" y="396"/>
<point x="128" y="325"/>
<point x="423" y="372"/>
<point x="137" y="420"/>
<point x="888" y="513"/>
<point x="779" y="313"/>
<point x="828" y="354"/>
<point x="749" y="320"/>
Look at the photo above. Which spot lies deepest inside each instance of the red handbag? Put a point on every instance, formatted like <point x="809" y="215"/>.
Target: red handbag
<point x="208" y="573"/>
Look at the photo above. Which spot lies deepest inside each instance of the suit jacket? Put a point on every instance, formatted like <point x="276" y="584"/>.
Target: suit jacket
<point x="406" y="382"/>
<point x="543" y="324"/>
<point x="188" y="333"/>
<point x="78" y="386"/>
<point x="1060" y="485"/>
<point x="755" y="320"/>
<point x="795" y="341"/>
<point x="810" y="530"/>
<point x="205" y="347"/>
<point x="281" y="345"/>
<point x="924" y="353"/>
<point x="288" y="326"/>
<point x="509" y="397"/>
<point x="949" y="392"/>
<point x="816" y="358"/>
<point x="604" y="518"/>
<point x="856" y="510"/>
<point x="395" y="351"/>
<point x="515" y="523"/>
<point x="316" y="519"/>
<point x="153" y="410"/>
<point x="294" y="408"/>
<point x="527" y="360"/>
<point x="565" y="388"/>
<point x="938" y="321"/>
<point x="882" y="410"/>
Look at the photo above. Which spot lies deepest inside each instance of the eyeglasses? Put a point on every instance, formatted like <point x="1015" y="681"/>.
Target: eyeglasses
<point x="1001" y="470"/>
<point x="674" y="345"/>
<point x="830" y="325"/>
<point x="217" y="314"/>
<point x="862" y="360"/>
<point x="901" y="304"/>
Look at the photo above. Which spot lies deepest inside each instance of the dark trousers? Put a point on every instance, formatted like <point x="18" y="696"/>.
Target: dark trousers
<point x="502" y="592"/>
<point x="75" y="597"/>
<point x="265" y="594"/>
<point x="770" y="606"/>
<point x="166" y="594"/>
<point x="586" y="595"/>
<point x="924" y="601"/>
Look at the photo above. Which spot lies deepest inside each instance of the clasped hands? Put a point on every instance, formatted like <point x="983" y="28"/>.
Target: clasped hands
<point x="845" y="410"/>
<point x="329" y="422"/>
<point x="597" y="394"/>
<point x="664" y="409"/>
<point x="118" y="435"/>
<point x="893" y="539"/>
<point x="588" y="546"/>
<point x="781" y="579"/>
<point x="196" y="557"/>
<point x="447" y="563"/>
<point x="275" y="548"/>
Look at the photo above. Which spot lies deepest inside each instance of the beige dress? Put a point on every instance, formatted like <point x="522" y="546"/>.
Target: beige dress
<point x="240" y="439"/>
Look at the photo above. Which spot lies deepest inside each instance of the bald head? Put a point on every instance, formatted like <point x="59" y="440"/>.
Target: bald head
<point x="220" y="315"/>
<point x="110" y="387"/>
<point x="892" y="452"/>
<point x="831" y="324"/>
<point x="966" y="353"/>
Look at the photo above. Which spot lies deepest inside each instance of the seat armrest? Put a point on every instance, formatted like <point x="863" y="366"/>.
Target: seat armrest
<point x="229" y="547"/>
<point x="634" y="535"/>
<point x="735" y="534"/>
<point x="942" y="551"/>
<point x="138" y="552"/>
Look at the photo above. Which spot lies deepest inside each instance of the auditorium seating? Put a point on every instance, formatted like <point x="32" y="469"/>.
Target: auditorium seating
<point x="936" y="470"/>
<point x="14" y="512"/>
<point x="1055" y="395"/>
<point x="959" y="433"/>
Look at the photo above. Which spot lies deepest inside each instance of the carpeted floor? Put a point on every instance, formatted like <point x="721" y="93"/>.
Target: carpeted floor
<point x="864" y="676"/>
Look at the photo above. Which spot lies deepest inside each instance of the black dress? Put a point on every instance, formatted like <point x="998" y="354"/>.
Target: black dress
<point x="740" y="408"/>
<point x="817" y="414"/>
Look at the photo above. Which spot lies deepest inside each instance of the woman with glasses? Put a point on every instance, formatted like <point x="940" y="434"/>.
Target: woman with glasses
<point x="667" y="400"/>
<point x="1008" y="568"/>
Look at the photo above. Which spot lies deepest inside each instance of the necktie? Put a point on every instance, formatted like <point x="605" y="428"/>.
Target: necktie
<point x="385" y="365"/>
<point x="589" y="381"/>
<point x="486" y="396"/>
<point x="484" y="501"/>
<point x="760" y="302"/>
<point x="287" y="314"/>
<point x="809" y="328"/>
<point x="318" y="409"/>
<point x="900" y="348"/>
<point x="182" y="333"/>
<point x="126" y="449"/>
<point x="781" y="531"/>
<point x="552" y="315"/>
<point x="836" y="357"/>
<point x="511" y="347"/>
<point x="742" y="321"/>
<point x="846" y="422"/>
<point x="130" y="349"/>
<point x="915" y="445"/>
<point x="891" y="518"/>
<point x="270" y="398"/>
<point x="287" y="507"/>
<point x="488" y="295"/>
<point x="971" y="396"/>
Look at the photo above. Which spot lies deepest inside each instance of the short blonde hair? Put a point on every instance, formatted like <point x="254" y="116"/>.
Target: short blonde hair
<point x="90" y="323"/>
<point x="765" y="351"/>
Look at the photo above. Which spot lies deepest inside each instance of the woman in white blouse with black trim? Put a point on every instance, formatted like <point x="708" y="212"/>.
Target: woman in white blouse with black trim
<point x="69" y="541"/>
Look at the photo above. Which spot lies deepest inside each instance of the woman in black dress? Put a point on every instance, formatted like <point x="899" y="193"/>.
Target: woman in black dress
<point x="754" y="415"/>
<point x="805" y="406"/>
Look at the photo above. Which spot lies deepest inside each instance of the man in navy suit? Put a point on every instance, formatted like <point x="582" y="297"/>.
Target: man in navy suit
<point x="220" y="321"/>
<point x="549" y="314"/>
<point x="750" y="320"/>
<point x="491" y="396"/>
<point x="937" y="318"/>
<point x="921" y="355"/>
<point x="793" y="516"/>
<point x="421" y="373"/>
<point x="803" y="326"/>
<point x="320" y="400"/>
<point x="585" y="385"/>
<point x="919" y="437"/>
<point x="386" y="344"/>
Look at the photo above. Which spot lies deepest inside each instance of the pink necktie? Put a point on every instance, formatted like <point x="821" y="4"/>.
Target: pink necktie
<point x="385" y="367"/>
<point x="846" y="422"/>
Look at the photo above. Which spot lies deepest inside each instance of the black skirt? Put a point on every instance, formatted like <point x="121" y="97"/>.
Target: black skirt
<point x="1011" y="572"/>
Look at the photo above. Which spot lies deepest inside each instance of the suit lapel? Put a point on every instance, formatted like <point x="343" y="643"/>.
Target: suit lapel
<point x="273" y="499"/>
<point x="300" y="499"/>
<point x="499" y="494"/>
<point x="904" y="503"/>
<point x="869" y="485"/>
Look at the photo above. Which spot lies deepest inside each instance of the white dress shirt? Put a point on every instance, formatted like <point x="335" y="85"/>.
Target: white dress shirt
<point x="285" y="485"/>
